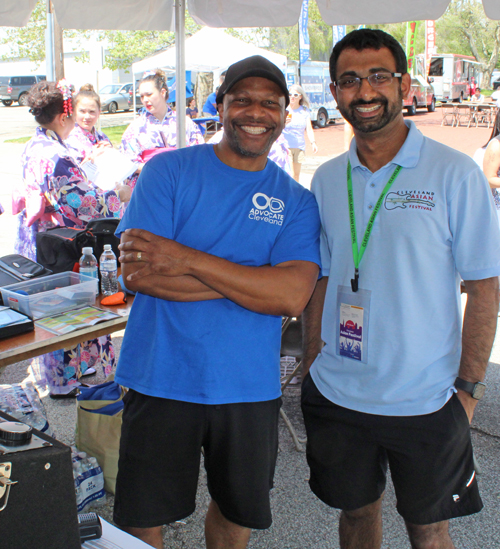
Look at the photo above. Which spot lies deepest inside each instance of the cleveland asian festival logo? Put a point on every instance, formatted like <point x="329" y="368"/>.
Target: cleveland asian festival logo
<point x="412" y="200"/>
<point x="351" y="337"/>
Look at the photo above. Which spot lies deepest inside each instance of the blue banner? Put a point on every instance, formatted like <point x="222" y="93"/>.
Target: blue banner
<point x="338" y="32"/>
<point x="303" y="33"/>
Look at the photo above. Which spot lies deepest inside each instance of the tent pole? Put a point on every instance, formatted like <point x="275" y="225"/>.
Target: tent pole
<point x="50" y="68"/>
<point x="180" y="72"/>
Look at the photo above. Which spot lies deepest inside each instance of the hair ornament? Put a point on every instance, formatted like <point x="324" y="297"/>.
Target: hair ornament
<point x="66" y="89"/>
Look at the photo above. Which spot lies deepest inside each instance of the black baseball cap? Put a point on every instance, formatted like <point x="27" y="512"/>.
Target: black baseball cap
<point x="253" y="66"/>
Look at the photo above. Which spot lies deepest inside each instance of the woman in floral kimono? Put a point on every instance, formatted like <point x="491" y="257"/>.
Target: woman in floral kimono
<point x="85" y="139"/>
<point x="85" y="143"/>
<point x="56" y="192"/>
<point x="154" y="130"/>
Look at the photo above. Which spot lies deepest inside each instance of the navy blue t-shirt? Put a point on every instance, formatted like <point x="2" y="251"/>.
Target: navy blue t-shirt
<point x="213" y="352"/>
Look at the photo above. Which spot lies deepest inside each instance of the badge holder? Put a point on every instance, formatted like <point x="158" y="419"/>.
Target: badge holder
<point x="353" y="321"/>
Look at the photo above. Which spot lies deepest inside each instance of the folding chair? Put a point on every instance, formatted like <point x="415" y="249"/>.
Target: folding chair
<point x="291" y="345"/>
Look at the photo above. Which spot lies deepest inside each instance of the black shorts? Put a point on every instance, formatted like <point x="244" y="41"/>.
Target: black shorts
<point x="160" y="452"/>
<point x="430" y="458"/>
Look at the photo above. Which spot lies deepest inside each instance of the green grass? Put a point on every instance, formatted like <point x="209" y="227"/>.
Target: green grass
<point x="18" y="140"/>
<point x="113" y="132"/>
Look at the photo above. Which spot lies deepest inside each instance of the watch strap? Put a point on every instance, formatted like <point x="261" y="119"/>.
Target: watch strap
<point x="475" y="390"/>
<point x="467" y="386"/>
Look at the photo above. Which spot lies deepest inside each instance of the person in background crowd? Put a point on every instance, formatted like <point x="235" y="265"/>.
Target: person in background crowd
<point x="472" y="87"/>
<point x="397" y="379"/>
<point x="242" y="239"/>
<point x="298" y="123"/>
<point x="495" y="96"/>
<point x="56" y="192"/>
<point x="210" y="106"/>
<point x="86" y="142"/>
<point x="191" y="109"/>
<point x="477" y="96"/>
<point x="154" y="130"/>
<point x="85" y="139"/>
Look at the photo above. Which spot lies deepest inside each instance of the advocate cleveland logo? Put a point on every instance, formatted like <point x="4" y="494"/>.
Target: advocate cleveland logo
<point x="412" y="200"/>
<point x="267" y="209"/>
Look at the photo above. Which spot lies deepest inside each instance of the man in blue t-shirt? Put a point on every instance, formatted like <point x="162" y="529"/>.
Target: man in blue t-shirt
<point x="394" y="378"/>
<point x="219" y="244"/>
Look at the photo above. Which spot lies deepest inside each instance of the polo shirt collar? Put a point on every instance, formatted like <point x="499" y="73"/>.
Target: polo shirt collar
<point x="407" y="156"/>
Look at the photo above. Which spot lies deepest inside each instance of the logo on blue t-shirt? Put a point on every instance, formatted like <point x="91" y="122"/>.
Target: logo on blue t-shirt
<point x="267" y="209"/>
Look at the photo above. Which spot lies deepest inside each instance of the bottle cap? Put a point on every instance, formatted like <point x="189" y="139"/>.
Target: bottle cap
<point x="86" y="251"/>
<point x="107" y="246"/>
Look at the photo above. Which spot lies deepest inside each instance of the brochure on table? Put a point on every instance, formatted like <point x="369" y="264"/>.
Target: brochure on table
<point x="76" y="319"/>
<point x="114" y="538"/>
<point x="109" y="168"/>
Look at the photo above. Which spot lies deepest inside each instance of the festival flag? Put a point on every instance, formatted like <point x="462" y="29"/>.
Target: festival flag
<point x="411" y="33"/>
<point x="303" y="32"/>
<point x="430" y="44"/>
<point x="338" y="32"/>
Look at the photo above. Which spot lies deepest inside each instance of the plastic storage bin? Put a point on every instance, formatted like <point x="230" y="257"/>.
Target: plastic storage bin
<point x="50" y="295"/>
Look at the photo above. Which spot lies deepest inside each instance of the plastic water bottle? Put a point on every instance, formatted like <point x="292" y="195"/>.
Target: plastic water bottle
<point x="88" y="264"/>
<point x="108" y="268"/>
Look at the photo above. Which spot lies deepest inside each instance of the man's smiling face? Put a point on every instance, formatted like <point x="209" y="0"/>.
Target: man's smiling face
<point x="366" y="108"/>
<point x="253" y="114"/>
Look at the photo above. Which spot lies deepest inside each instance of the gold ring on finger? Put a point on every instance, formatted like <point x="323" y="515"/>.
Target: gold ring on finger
<point x="139" y="256"/>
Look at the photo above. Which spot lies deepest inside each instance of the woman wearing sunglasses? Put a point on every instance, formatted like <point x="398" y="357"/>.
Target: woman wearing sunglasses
<point x="298" y="123"/>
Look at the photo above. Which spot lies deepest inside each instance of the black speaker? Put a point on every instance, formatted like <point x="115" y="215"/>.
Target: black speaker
<point x="40" y="510"/>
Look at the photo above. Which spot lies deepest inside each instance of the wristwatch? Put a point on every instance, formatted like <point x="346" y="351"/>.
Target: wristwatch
<point x="475" y="390"/>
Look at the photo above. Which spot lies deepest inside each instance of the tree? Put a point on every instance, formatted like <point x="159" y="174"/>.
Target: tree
<point x="28" y="42"/>
<point x="465" y="29"/>
<point x="126" y="47"/>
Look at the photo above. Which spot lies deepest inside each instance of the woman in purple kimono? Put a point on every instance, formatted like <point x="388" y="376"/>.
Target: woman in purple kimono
<point x="85" y="139"/>
<point x="154" y="130"/>
<point x="56" y="192"/>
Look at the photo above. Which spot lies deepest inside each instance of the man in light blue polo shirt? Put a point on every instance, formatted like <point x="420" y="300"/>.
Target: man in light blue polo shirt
<point x="397" y="380"/>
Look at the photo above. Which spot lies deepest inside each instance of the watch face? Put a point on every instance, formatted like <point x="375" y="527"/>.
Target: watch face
<point x="478" y="391"/>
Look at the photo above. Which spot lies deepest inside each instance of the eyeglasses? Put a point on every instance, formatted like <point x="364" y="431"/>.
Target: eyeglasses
<point x="376" y="80"/>
<point x="295" y="95"/>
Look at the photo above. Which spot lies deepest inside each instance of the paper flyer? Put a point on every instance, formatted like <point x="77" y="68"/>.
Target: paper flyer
<point x="75" y="320"/>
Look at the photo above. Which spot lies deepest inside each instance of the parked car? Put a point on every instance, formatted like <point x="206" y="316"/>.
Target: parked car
<point x="16" y="88"/>
<point x="115" y="97"/>
<point x="496" y="84"/>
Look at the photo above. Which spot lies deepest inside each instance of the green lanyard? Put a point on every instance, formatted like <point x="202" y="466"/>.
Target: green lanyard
<point x="358" y="255"/>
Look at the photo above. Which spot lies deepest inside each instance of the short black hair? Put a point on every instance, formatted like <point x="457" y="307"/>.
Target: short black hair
<point x="363" y="39"/>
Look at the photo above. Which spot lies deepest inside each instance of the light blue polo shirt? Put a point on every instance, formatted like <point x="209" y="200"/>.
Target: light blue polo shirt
<point x="437" y="223"/>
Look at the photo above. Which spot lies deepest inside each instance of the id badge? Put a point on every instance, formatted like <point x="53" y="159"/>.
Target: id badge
<point x="353" y="321"/>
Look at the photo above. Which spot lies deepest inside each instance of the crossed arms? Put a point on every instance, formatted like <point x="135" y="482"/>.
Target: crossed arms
<point x="171" y="271"/>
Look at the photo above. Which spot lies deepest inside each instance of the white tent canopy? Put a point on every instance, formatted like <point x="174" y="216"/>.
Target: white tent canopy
<point x="158" y="14"/>
<point x="209" y="50"/>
